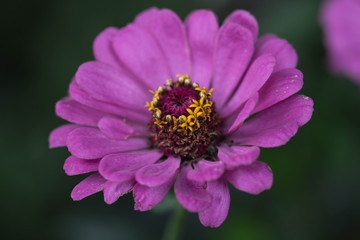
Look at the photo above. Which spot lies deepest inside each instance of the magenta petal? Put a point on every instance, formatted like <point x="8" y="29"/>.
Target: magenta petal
<point x="264" y="39"/>
<point x="90" y="185"/>
<point x="166" y="27"/>
<point x="234" y="122"/>
<point x="140" y="129"/>
<point x="237" y="155"/>
<point x="103" y="49"/>
<point x="139" y="52"/>
<point x="115" y="128"/>
<point x="284" y="53"/>
<point x="258" y="73"/>
<point x="276" y="125"/>
<point x="206" y="171"/>
<point x="281" y="85"/>
<point x="106" y="83"/>
<point x="246" y="19"/>
<point x="202" y="27"/>
<point x="76" y="92"/>
<point x="59" y="135"/>
<point x="216" y="214"/>
<point x="148" y="197"/>
<point x="147" y="15"/>
<point x="75" y="166"/>
<point x="233" y="51"/>
<point x="340" y="21"/>
<point x="90" y="143"/>
<point x="114" y="190"/>
<point x="191" y="194"/>
<point x="83" y="97"/>
<point x="158" y="173"/>
<point x="76" y="112"/>
<point x="122" y="166"/>
<point x="252" y="179"/>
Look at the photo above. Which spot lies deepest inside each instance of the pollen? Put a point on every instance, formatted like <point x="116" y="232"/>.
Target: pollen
<point x="184" y="120"/>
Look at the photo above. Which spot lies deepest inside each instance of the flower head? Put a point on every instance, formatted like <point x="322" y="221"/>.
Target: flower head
<point x="217" y="95"/>
<point x="340" y="20"/>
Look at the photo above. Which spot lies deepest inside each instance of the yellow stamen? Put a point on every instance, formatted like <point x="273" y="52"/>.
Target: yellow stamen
<point x="182" y="119"/>
<point x="184" y="76"/>
<point x="190" y="111"/>
<point x="205" y="108"/>
<point x="168" y="118"/>
<point x="204" y="90"/>
<point x="190" y="117"/>
<point x="187" y="124"/>
<point x="201" y="101"/>
<point x="156" y="94"/>
<point x="160" y="122"/>
<point x="197" y="112"/>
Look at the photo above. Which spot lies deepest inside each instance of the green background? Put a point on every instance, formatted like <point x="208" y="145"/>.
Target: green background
<point x="315" y="194"/>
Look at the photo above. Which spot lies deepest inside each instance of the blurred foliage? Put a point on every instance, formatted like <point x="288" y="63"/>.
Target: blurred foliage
<point x="316" y="187"/>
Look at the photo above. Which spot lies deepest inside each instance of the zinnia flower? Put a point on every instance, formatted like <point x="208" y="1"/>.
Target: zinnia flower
<point x="341" y="25"/>
<point x="218" y="95"/>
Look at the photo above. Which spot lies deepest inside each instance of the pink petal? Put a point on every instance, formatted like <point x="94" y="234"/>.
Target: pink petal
<point x="106" y="83"/>
<point x="202" y="27"/>
<point x="76" y="112"/>
<point x="191" y="194"/>
<point x="77" y="93"/>
<point x="233" y="51"/>
<point x="122" y="166"/>
<point x="237" y="155"/>
<point x="148" y="197"/>
<point x="341" y="23"/>
<point x="264" y="39"/>
<point x="252" y="179"/>
<point x="90" y="143"/>
<point x="147" y="15"/>
<point x="141" y="54"/>
<point x="216" y="213"/>
<point x="206" y="171"/>
<point x="83" y="97"/>
<point x="158" y="173"/>
<point x="166" y="27"/>
<point x="281" y="85"/>
<point x="234" y="122"/>
<point x="284" y="53"/>
<point x="103" y="49"/>
<point x="140" y="129"/>
<point x="75" y="166"/>
<point x="258" y="73"/>
<point x="114" y="190"/>
<point x="115" y="128"/>
<point x="245" y="19"/>
<point x="59" y="135"/>
<point x="90" y="185"/>
<point x="276" y="125"/>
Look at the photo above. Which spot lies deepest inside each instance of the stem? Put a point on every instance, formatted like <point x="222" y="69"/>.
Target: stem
<point x="172" y="230"/>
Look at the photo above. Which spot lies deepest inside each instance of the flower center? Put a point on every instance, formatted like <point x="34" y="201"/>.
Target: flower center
<point x="184" y="120"/>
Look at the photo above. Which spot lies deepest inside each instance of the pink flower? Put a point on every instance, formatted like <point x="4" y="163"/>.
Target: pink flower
<point x="195" y="132"/>
<point x="341" y="25"/>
